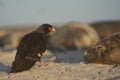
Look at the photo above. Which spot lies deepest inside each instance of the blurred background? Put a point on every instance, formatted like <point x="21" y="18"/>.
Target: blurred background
<point x="78" y="23"/>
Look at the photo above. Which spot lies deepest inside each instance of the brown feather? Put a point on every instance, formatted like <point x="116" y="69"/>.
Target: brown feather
<point x="29" y="47"/>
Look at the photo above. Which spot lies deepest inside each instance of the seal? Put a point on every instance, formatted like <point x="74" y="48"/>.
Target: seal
<point x="106" y="51"/>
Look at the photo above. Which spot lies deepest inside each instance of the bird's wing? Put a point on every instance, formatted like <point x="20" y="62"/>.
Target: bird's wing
<point x="26" y="56"/>
<point x="32" y="44"/>
<point x="20" y="64"/>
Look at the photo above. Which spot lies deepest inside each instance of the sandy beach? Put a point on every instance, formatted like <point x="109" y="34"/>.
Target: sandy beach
<point x="66" y="65"/>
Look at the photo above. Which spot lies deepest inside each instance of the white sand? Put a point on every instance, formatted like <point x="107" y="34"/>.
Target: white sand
<point x="68" y="65"/>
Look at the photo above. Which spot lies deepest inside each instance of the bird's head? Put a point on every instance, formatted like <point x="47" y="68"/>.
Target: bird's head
<point x="46" y="29"/>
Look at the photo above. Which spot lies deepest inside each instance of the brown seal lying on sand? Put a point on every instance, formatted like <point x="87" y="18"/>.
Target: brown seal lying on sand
<point x="106" y="51"/>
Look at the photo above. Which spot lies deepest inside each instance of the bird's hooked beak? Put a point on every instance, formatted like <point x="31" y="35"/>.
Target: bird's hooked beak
<point x="52" y="29"/>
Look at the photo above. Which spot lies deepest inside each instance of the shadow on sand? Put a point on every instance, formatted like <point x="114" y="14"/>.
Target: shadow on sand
<point x="115" y="78"/>
<point x="4" y="68"/>
<point x="69" y="56"/>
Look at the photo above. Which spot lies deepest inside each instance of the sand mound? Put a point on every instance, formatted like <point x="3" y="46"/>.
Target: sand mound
<point x="73" y="36"/>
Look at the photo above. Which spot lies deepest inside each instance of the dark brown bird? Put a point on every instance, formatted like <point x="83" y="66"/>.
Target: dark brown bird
<point x="31" y="48"/>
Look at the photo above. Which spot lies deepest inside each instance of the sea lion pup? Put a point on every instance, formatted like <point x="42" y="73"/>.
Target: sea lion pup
<point x="106" y="51"/>
<point x="31" y="48"/>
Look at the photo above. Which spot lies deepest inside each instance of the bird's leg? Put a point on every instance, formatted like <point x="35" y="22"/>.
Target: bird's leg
<point x="40" y="61"/>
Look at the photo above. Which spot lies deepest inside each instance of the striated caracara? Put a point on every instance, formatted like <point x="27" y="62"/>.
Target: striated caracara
<point x="31" y="48"/>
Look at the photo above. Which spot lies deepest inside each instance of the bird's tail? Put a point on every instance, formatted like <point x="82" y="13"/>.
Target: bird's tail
<point x="20" y="64"/>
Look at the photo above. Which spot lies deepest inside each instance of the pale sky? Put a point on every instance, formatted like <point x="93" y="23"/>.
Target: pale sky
<point x="19" y="12"/>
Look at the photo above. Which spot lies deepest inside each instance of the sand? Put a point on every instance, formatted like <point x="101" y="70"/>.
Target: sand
<point x="65" y="65"/>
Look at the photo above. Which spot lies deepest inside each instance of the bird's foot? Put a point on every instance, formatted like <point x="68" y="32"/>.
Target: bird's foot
<point x="42" y="64"/>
